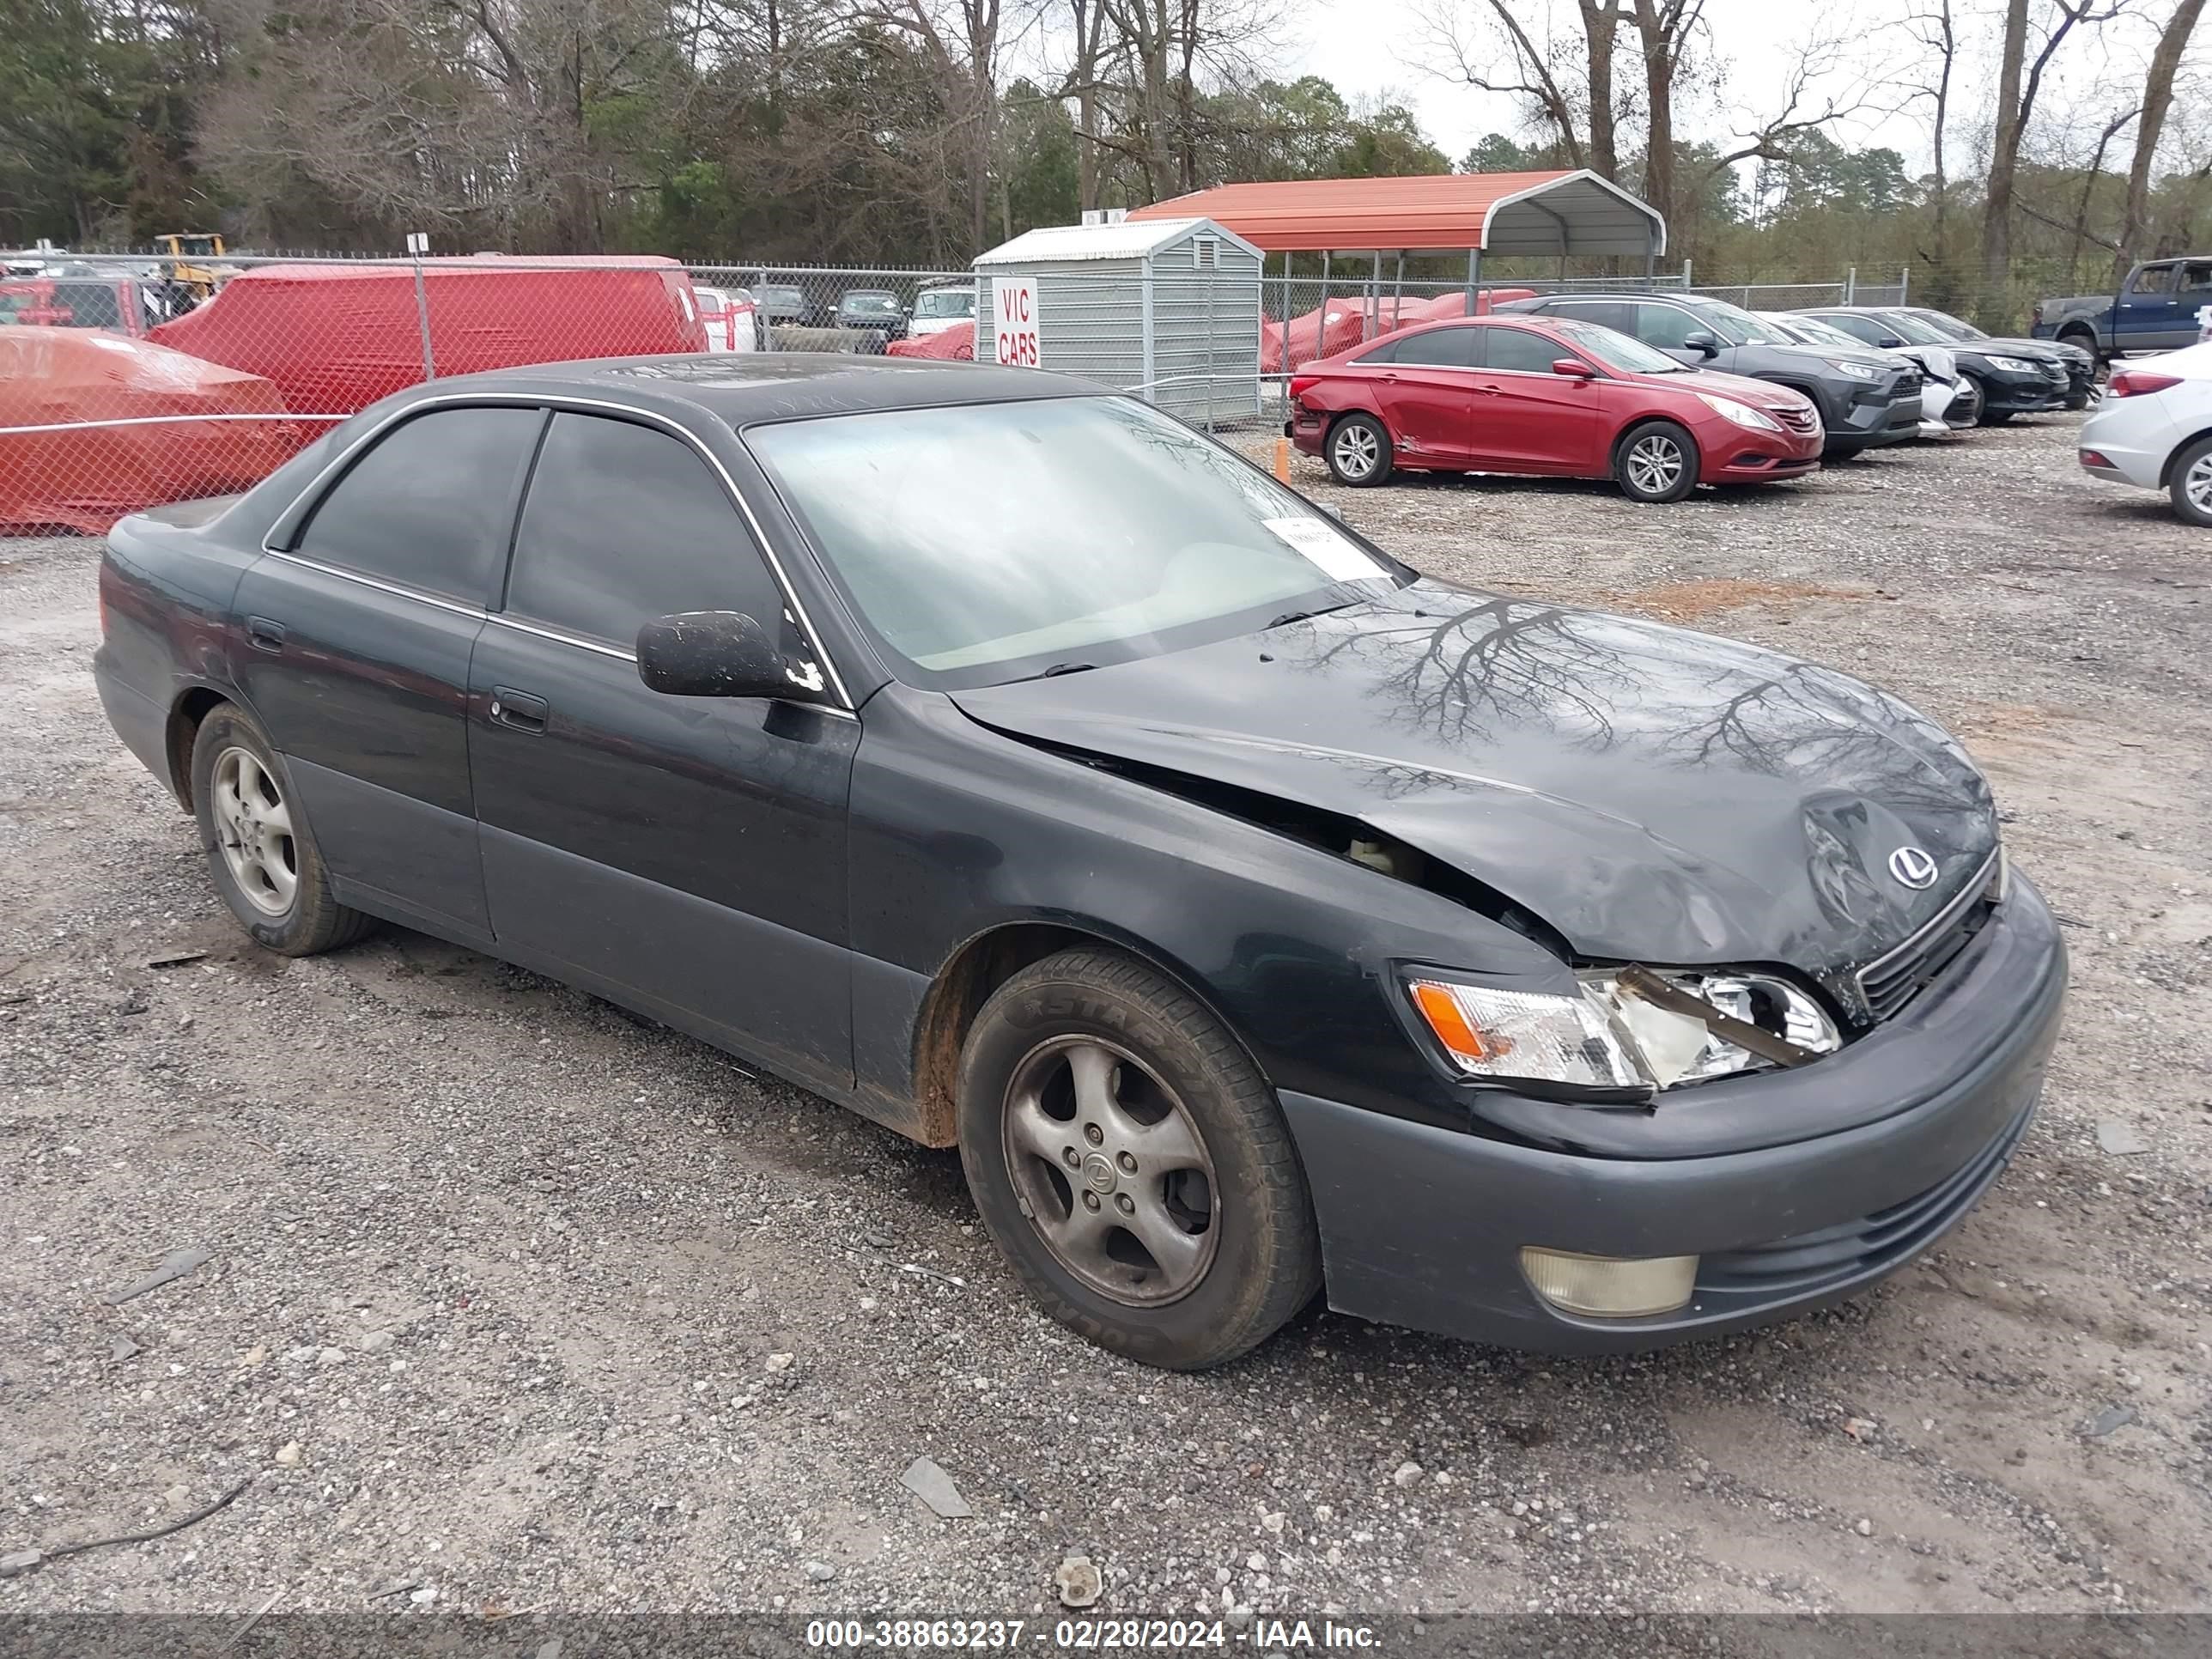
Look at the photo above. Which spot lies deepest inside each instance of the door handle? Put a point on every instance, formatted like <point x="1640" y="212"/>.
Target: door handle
<point x="1387" y="379"/>
<point x="264" y="635"/>
<point x="518" y="710"/>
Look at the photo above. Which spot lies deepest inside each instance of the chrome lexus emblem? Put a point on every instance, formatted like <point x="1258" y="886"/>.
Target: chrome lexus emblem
<point x="1912" y="868"/>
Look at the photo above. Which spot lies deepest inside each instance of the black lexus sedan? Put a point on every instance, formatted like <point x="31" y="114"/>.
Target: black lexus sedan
<point x="993" y="754"/>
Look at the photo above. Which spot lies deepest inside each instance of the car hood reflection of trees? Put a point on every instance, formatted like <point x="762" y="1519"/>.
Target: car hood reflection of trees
<point x="1657" y="795"/>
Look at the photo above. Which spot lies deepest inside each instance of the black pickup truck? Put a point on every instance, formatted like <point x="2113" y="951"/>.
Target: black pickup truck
<point x="2155" y="310"/>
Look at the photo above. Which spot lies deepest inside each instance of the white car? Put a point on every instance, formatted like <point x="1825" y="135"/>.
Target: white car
<point x="1939" y="370"/>
<point x="2154" y="429"/>
<point x="728" y="314"/>
<point x="936" y="309"/>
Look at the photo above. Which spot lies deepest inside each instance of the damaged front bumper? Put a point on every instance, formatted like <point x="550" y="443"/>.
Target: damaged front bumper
<point x="1424" y="1227"/>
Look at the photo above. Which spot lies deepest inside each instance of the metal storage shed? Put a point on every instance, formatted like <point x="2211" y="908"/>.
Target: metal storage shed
<point x="1168" y="309"/>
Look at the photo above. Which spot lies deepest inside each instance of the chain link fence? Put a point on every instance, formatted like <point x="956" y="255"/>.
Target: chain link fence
<point x="130" y="380"/>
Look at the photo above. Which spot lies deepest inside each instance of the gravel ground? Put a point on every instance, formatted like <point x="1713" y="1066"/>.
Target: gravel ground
<point x="519" y="1303"/>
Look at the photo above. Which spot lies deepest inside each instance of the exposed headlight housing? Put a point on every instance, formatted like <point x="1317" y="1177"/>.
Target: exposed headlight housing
<point x="2014" y="366"/>
<point x="1607" y="1038"/>
<point x="1857" y="371"/>
<point x="1741" y="414"/>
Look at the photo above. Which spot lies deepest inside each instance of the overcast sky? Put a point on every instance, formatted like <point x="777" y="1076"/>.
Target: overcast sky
<point x="1368" y="47"/>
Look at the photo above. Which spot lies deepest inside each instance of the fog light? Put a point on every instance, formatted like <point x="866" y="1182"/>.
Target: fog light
<point x="1610" y="1287"/>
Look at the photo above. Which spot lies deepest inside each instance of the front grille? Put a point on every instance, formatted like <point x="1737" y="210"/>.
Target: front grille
<point x="1889" y="982"/>
<point x="1799" y="418"/>
<point x="1867" y="1243"/>
<point x="1908" y="384"/>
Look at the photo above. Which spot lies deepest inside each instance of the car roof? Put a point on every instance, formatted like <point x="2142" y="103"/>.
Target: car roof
<point x="757" y="386"/>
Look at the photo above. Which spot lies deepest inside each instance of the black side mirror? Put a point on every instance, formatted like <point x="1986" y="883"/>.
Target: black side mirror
<point x="1888" y="342"/>
<point x="1704" y="343"/>
<point x="711" y="654"/>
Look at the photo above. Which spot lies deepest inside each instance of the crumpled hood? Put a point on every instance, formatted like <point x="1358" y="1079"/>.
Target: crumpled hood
<point x="1657" y="795"/>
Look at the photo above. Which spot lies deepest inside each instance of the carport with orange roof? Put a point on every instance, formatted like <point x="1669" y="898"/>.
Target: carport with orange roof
<point x="1564" y="213"/>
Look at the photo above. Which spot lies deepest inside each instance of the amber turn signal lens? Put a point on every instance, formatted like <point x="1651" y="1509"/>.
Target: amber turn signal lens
<point x="1449" y="1022"/>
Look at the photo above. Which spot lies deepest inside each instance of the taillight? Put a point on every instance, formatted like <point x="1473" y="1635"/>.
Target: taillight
<point x="2138" y="383"/>
<point x="1302" y="383"/>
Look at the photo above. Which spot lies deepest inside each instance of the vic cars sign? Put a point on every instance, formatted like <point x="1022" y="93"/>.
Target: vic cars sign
<point x="1014" y="321"/>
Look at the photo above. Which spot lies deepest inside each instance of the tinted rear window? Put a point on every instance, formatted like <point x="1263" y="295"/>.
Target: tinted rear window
<point x="428" y="507"/>
<point x="1610" y="313"/>
<point x="1442" y="347"/>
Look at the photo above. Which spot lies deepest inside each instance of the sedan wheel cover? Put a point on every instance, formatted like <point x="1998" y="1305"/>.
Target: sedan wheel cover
<point x="1109" y="1168"/>
<point x="1357" y="451"/>
<point x="1655" y="464"/>
<point x="253" y="830"/>
<point x="2198" y="484"/>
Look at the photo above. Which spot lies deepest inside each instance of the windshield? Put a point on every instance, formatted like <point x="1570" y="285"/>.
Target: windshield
<point x="994" y="542"/>
<point x="775" y="296"/>
<point x="946" y="302"/>
<point x="1618" y="350"/>
<point x="1919" y="330"/>
<point x="1950" y="328"/>
<point x="873" y="302"/>
<point x="1813" y="332"/>
<point x="1738" y="327"/>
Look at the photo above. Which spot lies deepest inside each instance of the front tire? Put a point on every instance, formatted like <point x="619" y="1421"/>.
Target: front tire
<point x="1360" y="452"/>
<point x="1967" y="404"/>
<point x="264" y="860"/>
<point x="1132" y="1164"/>
<point x="1655" y="462"/>
<point x="2191" y="484"/>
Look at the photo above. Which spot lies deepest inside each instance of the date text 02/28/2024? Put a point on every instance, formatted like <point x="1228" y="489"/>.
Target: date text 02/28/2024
<point x="1087" y="1634"/>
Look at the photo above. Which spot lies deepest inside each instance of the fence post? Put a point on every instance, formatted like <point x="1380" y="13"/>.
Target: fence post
<point x="1904" y="284"/>
<point x="1685" y="274"/>
<point x="1851" y="286"/>
<point x="418" y="243"/>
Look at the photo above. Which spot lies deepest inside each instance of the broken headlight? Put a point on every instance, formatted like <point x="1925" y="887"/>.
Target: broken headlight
<point x="1629" y="1028"/>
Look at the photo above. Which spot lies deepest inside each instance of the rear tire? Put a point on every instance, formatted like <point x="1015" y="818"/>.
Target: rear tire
<point x="259" y="846"/>
<point x="1358" y="451"/>
<point x="1657" y="461"/>
<point x="2191" y="484"/>
<point x="1104" y="1112"/>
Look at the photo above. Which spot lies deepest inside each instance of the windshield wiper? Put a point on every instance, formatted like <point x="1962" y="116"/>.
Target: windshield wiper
<point x="1057" y="669"/>
<point x="1290" y="617"/>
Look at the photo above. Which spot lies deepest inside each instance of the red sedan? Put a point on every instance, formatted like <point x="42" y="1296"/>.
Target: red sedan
<point x="1549" y="396"/>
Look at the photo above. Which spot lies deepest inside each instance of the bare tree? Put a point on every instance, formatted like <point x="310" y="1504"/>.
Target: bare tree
<point x="959" y="39"/>
<point x="1584" y="119"/>
<point x="1937" y="33"/>
<point x="2019" y="81"/>
<point x="2157" y="101"/>
<point x="1664" y="27"/>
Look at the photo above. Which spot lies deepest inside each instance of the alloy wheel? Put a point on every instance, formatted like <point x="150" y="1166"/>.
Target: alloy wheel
<point x="2197" y="483"/>
<point x="1655" y="463"/>
<point x="253" y="828"/>
<point x="1111" y="1169"/>
<point x="1357" y="450"/>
